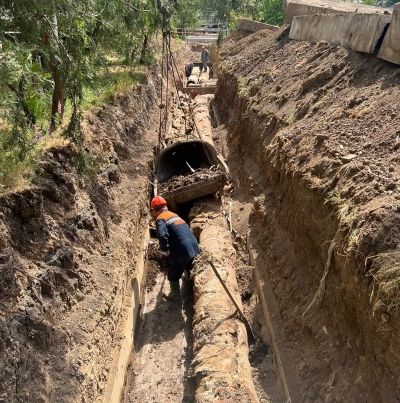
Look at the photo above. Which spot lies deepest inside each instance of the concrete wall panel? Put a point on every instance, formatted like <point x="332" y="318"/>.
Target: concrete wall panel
<point x="359" y="32"/>
<point x="390" y="49"/>
<point x="294" y="8"/>
<point x="254" y="26"/>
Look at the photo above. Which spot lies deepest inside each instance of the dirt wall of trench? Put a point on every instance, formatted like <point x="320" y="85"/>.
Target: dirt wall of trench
<point x="69" y="250"/>
<point x="312" y="140"/>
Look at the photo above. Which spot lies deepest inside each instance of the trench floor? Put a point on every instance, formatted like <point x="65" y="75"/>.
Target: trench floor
<point x="163" y="347"/>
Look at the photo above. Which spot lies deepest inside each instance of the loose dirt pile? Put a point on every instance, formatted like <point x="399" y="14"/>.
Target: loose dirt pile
<point x="182" y="181"/>
<point x="313" y="136"/>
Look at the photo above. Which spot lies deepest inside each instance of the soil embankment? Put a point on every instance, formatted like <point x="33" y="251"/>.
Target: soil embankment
<point x="69" y="255"/>
<point x="310" y="134"/>
<point x="312" y="139"/>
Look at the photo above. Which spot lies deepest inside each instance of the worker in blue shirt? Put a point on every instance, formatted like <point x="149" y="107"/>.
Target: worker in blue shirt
<point x="205" y="56"/>
<point x="176" y="241"/>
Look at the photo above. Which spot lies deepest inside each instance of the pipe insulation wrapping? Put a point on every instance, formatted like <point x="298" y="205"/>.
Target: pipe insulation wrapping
<point x="220" y="364"/>
<point x="202" y="119"/>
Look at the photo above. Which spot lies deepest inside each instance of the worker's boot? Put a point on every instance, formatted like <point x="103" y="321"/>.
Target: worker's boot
<point x="174" y="291"/>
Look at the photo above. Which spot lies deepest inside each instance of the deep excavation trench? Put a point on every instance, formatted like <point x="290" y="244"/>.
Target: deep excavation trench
<point x="81" y="274"/>
<point x="197" y="350"/>
<point x="285" y="137"/>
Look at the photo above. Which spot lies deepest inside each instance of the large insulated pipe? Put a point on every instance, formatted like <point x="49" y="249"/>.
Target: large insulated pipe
<point x="201" y="117"/>
<point x="220" y="363"/>
<point x="193" y="79"/>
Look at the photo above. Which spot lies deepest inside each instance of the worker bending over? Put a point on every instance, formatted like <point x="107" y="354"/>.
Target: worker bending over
<point x="188" y="69"/>
<point x="176" y="242"/>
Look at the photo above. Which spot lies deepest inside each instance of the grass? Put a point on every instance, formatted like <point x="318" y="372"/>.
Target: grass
<point x="259" y="199"/>
<point x="16" y="172"/>
<point x="112" y="81"/>
<point x="266" y="100"/>
<point x="387" y="277"/>
<point x="243" y="87"/>
<point x="345" y="210"/>
<point x="292" y="119"/>
<point x="19" y="159"/>
<point x="353" y="240"/>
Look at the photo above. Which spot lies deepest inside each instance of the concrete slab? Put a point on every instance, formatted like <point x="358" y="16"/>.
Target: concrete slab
<point x="202" y="39"/>
<point x="254" y="26"/>
<point x="360" y="32"/>
<point x="390" y="49"/>
<point x="294" y="8"/>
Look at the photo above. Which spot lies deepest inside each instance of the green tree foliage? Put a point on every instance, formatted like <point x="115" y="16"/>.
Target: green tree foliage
<point x="271" y="12"/>
<point x="51" y="49"/>
<point x="366" y="2"/>
<point x="187" y="13"/>
<point x="388" y="3"/>
<point x="227" y="11"/>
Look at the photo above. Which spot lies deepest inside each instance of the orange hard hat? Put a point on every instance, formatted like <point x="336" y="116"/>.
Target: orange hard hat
<point x="158" y="201"/>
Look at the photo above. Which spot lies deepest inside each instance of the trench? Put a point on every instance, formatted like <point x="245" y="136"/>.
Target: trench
<point x="276" y="242"/>
<point x="93" y="325"/>
<point x="198" y="349"/>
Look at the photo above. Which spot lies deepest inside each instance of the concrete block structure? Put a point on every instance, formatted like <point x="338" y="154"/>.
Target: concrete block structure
<point x="360" y="32"/>
<point x="294" y="8"/>
<point x="390" y="49"/>
<point x="254" y="26"/>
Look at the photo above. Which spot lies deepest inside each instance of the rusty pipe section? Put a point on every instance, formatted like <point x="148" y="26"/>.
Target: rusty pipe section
<point x="202" y="119"/>
<point x="220" y="363"/>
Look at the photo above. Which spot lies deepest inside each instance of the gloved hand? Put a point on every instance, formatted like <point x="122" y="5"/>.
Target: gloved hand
<point x="165" y="253"/>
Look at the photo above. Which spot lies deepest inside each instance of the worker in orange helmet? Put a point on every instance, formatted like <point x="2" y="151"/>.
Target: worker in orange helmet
<point x="176" y="242"/>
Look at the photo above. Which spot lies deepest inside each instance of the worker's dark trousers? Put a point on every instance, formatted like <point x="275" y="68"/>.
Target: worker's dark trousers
<point x="175" y="273"/>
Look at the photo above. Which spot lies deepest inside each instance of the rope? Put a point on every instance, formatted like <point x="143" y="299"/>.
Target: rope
<point x="166" y="90"/>
<point x="173" y="73"/>
<point x="321" y="289"/>
<point x="174" y="65"/>
<point x="161" y="96"/>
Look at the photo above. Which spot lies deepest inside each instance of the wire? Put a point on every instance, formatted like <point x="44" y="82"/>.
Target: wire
<point x="191" y="113"/>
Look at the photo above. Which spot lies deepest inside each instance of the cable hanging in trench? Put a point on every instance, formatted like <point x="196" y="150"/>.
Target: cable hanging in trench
<point x="166" y="32"/>
<point x="190" y="111"/>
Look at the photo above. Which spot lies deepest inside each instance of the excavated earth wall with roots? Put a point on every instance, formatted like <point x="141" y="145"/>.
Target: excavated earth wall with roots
<point x="69" y="257"/>
<point x="313" y="133"/>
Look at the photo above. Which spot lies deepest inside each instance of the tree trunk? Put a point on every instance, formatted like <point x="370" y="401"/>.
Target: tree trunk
<point x="58" y="97"/>
<point x="19" y="94"/>
<point x="144" y="49"/>
<point x="58" y="93"/>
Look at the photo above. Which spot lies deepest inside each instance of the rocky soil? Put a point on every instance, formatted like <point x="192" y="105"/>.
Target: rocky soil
<point x="182" y="181"/>
<point x="312" y="139"/>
